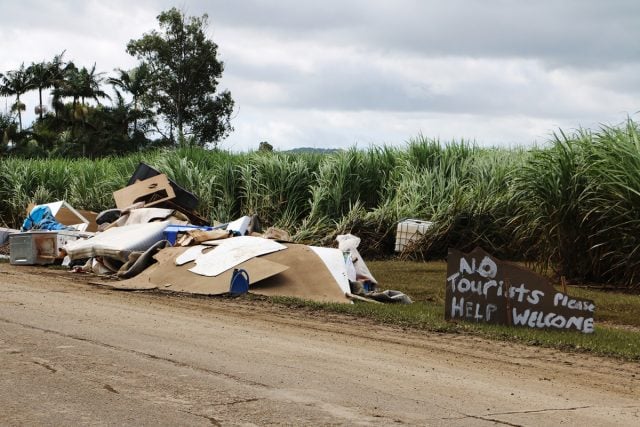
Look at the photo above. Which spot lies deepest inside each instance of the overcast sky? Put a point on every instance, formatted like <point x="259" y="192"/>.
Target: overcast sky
<point x="334" y="74"/>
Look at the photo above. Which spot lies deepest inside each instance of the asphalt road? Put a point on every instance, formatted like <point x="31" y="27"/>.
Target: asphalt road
<point x="72" y="353"/>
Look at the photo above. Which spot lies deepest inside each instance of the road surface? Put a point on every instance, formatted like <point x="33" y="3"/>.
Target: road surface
<point x="73" y="353"/>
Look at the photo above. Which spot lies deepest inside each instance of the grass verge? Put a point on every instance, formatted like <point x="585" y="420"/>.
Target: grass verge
<point x="424" y="282"/>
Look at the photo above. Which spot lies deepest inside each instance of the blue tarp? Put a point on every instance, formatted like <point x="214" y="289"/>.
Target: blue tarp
<point x="41" y="218"/>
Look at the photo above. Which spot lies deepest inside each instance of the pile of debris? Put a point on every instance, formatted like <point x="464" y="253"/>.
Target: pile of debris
<point x="155" y="239"/>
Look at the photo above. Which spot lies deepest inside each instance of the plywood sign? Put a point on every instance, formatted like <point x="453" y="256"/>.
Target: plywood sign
<point x="481" y="288"/>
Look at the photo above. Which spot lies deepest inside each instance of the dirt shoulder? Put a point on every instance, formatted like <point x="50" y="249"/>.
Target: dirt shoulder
<point x="170" y="355"/>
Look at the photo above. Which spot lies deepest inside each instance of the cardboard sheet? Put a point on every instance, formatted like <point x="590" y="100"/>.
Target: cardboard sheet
<point x="481" y="288"/>
<point x="165" y="275"/>
<point x="152" y="191"/>
<point x="232" y="252"/>
<point x="190" y="254"/>
<point x="335" y="263"/>
<point x="307" y="277"/>
<point x="296" y="272"/>
<point x="126" y="285"/>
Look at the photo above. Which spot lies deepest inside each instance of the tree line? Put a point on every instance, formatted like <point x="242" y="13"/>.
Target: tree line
<point x="170" y="98"/>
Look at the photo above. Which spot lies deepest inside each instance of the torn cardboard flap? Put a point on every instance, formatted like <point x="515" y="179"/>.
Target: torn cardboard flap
<point x="151" y="191"/>
<point x="232" y="252"/>
<point x="200" y="236"/>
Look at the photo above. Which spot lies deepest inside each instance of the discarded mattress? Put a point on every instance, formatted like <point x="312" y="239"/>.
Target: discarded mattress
<point x="118" y="242"/>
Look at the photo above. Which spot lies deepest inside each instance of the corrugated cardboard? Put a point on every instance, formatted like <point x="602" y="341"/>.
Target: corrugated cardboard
<point x="165" y="275"/>
<point x="307" y="277"/>
<point x="481" y="288"/>
<point x="151" y="191"/>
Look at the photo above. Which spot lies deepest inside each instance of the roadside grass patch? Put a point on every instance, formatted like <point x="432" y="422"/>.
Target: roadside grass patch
<point x="605" y="341"/>
<point x="425" y="284"/>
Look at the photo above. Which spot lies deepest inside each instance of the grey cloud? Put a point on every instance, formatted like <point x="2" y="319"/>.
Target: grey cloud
<point x="593" y="40"/>
<point x="575" y="32"/>
<point x="364" y="87"/>
<point x="583" y="32"/>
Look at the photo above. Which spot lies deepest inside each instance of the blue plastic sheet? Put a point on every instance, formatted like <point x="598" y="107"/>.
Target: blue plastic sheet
<point x="41" y="218"/>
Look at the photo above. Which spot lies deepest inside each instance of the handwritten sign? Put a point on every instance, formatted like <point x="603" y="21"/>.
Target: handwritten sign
<point x="481" y="288"/>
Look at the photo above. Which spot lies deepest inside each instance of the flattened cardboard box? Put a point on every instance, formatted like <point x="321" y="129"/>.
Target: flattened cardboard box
<point x="152" y="191"/>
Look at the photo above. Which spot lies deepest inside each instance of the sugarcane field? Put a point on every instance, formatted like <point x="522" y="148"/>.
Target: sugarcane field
<point x="342" y="214"/>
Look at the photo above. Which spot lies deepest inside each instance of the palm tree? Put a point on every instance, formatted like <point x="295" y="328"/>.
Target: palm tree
<point x="81" y="84"/>
<point x="134" y="81"/>
<point x="16" y="82"/>
<point x="57" y="68"/>
<point x="41" y="78"/>
<point x="90" y="85"/>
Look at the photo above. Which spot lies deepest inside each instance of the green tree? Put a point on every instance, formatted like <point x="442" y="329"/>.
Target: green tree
<point x="80" y="84"/>
<point x="135" y="82"/>
<point x="184" y="74"/>
<point x="7" y="130"/>
<point x="57" y="68"/>
<point x="265" y="146"/>
<point x="41" y="78"/>
<point x="16" y="82"/>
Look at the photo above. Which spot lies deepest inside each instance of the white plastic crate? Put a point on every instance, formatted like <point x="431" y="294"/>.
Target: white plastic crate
<point x="410" y="230"/>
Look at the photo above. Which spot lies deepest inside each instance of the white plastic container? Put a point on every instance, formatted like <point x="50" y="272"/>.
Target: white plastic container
<point x="410" y="230"/>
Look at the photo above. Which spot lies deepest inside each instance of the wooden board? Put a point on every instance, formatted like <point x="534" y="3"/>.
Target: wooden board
<point x="481" y="288"/>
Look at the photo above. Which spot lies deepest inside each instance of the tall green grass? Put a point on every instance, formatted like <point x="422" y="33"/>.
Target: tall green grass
<point x="578" y="202"/>
<point x="572" y="206"/>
